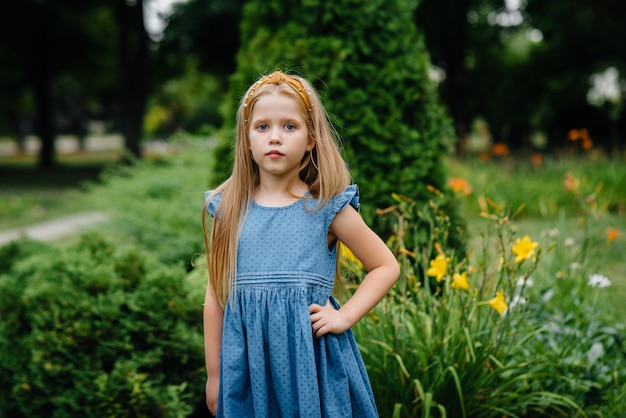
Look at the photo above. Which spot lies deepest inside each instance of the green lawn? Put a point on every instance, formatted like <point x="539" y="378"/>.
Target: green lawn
<point x="603" y="257"/>
<point x="28" y="195"/>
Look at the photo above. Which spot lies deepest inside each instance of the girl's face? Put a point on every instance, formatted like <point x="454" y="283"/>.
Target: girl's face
<point x="279" y="136"/>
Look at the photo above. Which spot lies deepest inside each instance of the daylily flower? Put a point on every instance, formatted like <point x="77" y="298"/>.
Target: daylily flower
<point x="459" y="281"/>
<point x="460" y="185"/>
<point x="349" y="256"/>
<point x="438" y="267"/>
<point x="498" y="302"/>
<point x="523" y="248"/>
<point x="612" y="233"/>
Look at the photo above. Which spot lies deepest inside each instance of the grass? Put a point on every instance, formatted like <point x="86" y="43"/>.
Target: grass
<point x="28" y="195"/>
<point x="548" y="206"/>
<point x="604" y="258"/>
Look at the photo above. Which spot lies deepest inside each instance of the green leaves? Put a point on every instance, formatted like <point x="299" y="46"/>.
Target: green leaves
<point x="98" y="330"/>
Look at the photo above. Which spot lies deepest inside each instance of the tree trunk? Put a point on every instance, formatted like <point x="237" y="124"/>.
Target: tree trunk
<point x="133" y="68"/>
<point x="42" y="86"/>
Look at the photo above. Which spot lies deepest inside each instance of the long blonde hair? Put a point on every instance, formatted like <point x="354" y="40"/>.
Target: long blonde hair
<point x="322" y="169"/>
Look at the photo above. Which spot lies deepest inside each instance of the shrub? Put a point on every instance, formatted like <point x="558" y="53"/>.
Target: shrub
<point x="94" y="330"/>
<point x="157" y="204"/>
<point x="468" y="335"/>
<point x="373" y="68"/>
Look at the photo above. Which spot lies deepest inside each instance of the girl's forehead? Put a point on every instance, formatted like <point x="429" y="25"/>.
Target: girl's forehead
<point x="275" y="104"/>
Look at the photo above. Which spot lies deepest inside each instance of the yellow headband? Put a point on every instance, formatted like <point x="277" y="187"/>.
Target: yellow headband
<point x="279" y="77"/>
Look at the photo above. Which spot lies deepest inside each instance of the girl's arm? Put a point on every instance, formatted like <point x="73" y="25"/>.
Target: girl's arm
<point x="382" y="272"/>
<point x="213" y="319"/>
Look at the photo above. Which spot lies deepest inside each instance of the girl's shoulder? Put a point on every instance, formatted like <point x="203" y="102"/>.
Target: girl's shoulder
<point x="337" y="203"/>
<point x="212" y="199"/>
<point x="349" y="196"/>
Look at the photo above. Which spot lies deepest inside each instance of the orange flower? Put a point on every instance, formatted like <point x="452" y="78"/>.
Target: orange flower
<point x="500" y="149"/>
<point x="612" y="233"/>
<point x="571" y="182"/>
<point x="536" y="158"/>
<point x="460" y="185"/>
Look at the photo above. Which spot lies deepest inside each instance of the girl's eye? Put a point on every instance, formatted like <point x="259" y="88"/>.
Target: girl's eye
<point x="290" y="127"/>
<point x="262" y="127"/>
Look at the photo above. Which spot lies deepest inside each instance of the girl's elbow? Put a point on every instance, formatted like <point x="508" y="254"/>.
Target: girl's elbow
<point x="394" y="272"/>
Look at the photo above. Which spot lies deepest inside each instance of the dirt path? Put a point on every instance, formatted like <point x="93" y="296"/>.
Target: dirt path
<point x="54" y="229"/>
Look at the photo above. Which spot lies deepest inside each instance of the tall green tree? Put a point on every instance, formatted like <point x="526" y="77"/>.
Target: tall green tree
<point x="369" y="62"/>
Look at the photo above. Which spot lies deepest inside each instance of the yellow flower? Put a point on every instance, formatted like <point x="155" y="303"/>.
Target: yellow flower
<point x="523" y="248"/>
<point x="348" y="256"/>
<point x="459" y="281"/>
<point x="498" y="302"/>
<point x="438" y="267"/>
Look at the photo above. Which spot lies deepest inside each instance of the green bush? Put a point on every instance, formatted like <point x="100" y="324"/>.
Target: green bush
<point x="99" y="331"/>
<point x="370" y="64"/>
<point x="157" y="204"/>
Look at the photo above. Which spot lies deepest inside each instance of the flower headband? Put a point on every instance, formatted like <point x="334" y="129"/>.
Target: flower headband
<point x="279" y="77"/>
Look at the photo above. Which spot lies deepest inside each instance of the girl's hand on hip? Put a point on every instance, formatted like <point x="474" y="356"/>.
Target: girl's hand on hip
<point x="326" y="319"/>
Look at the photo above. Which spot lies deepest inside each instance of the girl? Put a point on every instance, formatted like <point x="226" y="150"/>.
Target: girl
<point x="277" y="343"/>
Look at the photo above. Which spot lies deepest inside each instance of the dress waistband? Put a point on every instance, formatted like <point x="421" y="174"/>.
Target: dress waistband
<point x="282" y="279"/>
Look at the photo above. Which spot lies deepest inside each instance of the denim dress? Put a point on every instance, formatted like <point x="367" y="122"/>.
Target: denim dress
<point x="271" y="365"/>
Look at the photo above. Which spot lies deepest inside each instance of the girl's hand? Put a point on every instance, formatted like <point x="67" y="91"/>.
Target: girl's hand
<point x="326" y="319"/>
<point x="212" y="391"/>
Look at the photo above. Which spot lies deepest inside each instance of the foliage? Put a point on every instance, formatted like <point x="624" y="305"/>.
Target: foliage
<point x="158" y="203"/>
<point x="369" y="62"/>
<point x="484" y="341"/>
<point x="189" y="103"/>
<point x="95" y="330"/>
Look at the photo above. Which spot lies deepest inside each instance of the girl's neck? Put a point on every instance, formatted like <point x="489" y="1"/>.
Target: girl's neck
<point x="279" y="194"/>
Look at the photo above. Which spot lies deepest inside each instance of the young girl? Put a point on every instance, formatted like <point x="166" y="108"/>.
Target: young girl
<point x="277" y="343"/>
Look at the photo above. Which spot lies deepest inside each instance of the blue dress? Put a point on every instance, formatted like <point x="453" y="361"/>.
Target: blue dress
<point x="271" y="365"/>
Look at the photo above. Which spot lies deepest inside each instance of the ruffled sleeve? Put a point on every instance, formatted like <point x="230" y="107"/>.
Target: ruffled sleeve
<point x="211" y="206"/>
<point x="350" y="196"/>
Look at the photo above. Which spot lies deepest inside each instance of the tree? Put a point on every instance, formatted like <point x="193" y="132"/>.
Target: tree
<point x="369" y="61"/>
<point x="133" y="66"/>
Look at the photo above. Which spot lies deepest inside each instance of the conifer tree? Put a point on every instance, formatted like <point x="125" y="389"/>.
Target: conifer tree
<point x="369" y="61"/>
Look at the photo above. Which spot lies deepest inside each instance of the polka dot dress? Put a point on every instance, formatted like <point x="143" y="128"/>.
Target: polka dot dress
<point x="271" y="365"/>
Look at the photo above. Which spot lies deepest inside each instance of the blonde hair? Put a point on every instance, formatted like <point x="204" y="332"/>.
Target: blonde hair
<point x="322" y="169"/>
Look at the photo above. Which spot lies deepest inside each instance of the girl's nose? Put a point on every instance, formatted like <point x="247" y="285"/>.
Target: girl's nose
<point x="275" y="137"/>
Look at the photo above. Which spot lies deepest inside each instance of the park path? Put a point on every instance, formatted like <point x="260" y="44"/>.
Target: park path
<point x="54" y="229"/>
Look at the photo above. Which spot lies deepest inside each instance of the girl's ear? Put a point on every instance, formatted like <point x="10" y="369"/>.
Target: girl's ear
<point x="311" y="144"/>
